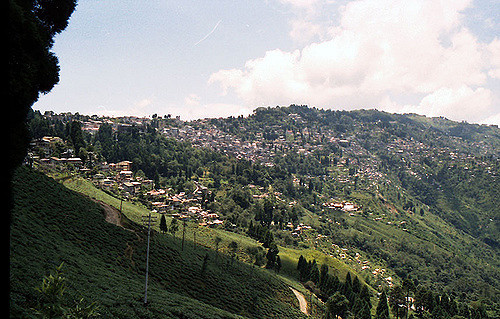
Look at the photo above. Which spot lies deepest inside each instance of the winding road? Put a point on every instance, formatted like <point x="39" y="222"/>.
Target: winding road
<point x="302" y="300"/>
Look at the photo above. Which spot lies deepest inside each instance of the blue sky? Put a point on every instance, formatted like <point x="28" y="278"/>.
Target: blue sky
<point x="219" y="58"/>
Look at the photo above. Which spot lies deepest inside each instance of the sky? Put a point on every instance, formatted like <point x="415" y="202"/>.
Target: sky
<point x="197" y="59"/>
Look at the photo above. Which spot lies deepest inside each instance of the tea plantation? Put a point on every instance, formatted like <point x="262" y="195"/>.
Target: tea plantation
<point x="106" y="263"/>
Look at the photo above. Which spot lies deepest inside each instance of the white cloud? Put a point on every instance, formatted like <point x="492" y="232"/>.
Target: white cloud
<point x="460" y="103"/>
<point x="300" y="3"/>
<point x="305" y="25"/>
<point x="302" y="31"/>
<point x="192" y="100"/>
<point x="144" y="103"/>
<point x="494" y="119"/>
<point x="378" y="49"/>
<point x="494" y="54"/>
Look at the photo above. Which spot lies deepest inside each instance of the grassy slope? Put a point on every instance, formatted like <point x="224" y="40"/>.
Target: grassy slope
<point x="106" y="263"/>
<point x="428" y="238"/>
<point x="205" y="236"/>
<point x="430" y="248"/>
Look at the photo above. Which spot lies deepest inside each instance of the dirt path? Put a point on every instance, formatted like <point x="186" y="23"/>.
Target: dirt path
<point x="112" y="214"/>
<point x="302" y="300"/>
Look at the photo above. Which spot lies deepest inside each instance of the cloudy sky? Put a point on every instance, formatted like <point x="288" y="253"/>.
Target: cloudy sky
<point x="219" y="58"/>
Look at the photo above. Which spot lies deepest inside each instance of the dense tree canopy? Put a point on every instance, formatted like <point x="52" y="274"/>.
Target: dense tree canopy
<point x="32" y="68"/>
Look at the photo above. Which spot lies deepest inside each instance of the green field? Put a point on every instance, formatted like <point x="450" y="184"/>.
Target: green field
<point x="206" y="236"/>
<point x="105" y="263"/>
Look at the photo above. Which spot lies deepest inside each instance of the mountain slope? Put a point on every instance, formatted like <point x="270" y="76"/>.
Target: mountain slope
<point x="423" y="192"/>
<point x="106" y="263"/>
<point x="428" y="188"/>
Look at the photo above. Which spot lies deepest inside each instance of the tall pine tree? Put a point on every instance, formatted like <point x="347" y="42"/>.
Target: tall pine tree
<point x="382" y="311"/>
<point x="163" y="224"/>
<point x="337" y="305"/>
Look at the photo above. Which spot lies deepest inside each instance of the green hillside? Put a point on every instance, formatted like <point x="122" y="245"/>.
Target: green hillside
<point x="105" y="263"/>
<point x="418" y="196"/>
<point x="206" y="236"/>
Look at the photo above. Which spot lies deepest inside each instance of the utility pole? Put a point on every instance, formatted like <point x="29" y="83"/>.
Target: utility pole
<point x="194" y="232"/>
<point x="147" y="220"/>
<point x="121" y="203"/>
<point x="183" y="233"/>
<point x="194" y="235"/>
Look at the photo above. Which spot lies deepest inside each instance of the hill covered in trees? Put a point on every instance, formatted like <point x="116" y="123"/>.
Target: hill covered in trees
<point x="410" y="202"/>
<point x="428" y="186"/>
<point x="396" y="197"/>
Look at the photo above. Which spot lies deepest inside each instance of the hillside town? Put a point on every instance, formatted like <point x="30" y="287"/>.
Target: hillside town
<point x="321" y="159"/>
<point x="350" y="161"/>
<point x="305" y="141"/>
<point x="356" y="164"/>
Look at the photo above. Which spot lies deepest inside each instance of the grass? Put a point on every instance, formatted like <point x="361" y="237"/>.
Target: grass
<point x="290" y="257"/>
<point x="425" y="247"/>
<point x="206" y="236"/>
<point x="105" y="263"/>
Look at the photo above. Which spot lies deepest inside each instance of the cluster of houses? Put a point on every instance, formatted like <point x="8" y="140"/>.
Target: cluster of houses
<point x="412" y="152"/>
<point x="184" y="205"/>
<point x="91" y="124"/>
<point x="46" y="148"/>
<point x="111" y="175"/>
<point x="119" y="178"/>
<point x="342" y="206"/>
<point x="305" y="141"/>
<point x="209" y="136"/>
<point x="119" y="175"/>
<point x="378" y="272"/>
<point x="296" y="231"/>
<point x="258" y="149"/>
